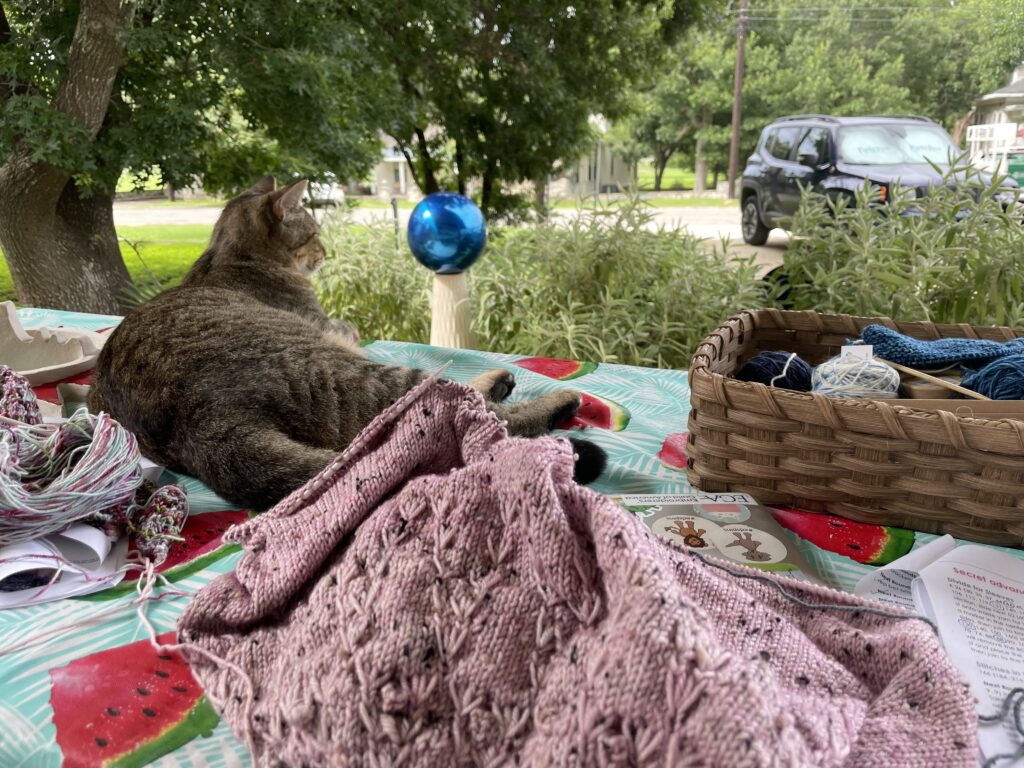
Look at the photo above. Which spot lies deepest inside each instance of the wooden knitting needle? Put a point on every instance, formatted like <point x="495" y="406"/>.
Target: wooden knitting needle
<point x="934" y="380"/>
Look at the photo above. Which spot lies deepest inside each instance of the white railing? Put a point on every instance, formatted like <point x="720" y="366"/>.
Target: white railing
<point x="988" y="144"/>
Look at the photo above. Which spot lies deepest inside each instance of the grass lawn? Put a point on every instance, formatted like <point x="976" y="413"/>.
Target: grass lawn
<point x="166" y="251"/>
<point x="376" y="202"/>
<point x="673" y="178"/>
<point x="208" y="202"/>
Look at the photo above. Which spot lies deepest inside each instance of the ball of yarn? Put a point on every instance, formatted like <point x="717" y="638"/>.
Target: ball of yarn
<point x="856" y="378"/>
<point x="777" y="369"/>
<point x="17" y="400"/>
<point x="1002" y="379"/>
<point x="53" y="475"/>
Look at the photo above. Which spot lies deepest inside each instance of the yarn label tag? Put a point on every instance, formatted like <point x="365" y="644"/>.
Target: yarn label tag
<point x="857" y="352"/>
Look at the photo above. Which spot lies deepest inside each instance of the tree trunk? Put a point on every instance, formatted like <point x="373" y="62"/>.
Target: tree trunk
<point x="700" y="165"/>
<point x="64" y="256"/>
<point x="62" y="248"/>
<point x="714" y="179"/>
<point x="540" y="196"/>
<point x="700" y="168"/>
<point x="661" y="159"/>
<point x="961" y="127"/>
<point x="487" y="189"/>
<point x="430" y="184"/>
<point x="460" y="167"/>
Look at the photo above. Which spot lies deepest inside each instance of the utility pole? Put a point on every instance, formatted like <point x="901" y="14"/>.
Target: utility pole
<point x="737" y="99"/>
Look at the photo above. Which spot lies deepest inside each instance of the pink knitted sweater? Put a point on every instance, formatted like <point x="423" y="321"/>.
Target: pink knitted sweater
<point x="443" y="595"/>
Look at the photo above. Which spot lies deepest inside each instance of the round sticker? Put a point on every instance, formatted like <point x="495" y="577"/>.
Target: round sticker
<point x="749" y="545"/>
<point x="690" y="531"/>
<point x="724" y="513"/>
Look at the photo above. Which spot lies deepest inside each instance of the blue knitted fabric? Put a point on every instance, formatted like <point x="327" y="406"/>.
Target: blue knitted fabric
<point x="941" y="353"/>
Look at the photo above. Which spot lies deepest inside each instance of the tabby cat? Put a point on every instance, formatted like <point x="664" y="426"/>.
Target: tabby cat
<point x="238" y="377"/>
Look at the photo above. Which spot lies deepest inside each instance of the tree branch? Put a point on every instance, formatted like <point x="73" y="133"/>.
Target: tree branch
<point x="94" y="57"/>
<point x="93" y="61"/>
<point x="408" y="159"/>
<point x="6" y="88"/>
<point x="427" y="163"/>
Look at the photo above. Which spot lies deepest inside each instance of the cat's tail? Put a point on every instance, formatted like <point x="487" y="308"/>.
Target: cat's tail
<point x="591" y="461"/>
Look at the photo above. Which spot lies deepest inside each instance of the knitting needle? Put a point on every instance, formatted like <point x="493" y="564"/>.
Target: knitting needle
<point x="934" y="380"/>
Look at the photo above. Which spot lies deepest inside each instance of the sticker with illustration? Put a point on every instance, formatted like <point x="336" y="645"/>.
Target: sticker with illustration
<point x="729" y="526"/>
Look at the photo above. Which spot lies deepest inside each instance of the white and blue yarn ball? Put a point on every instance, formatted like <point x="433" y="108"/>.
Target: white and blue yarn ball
<point x="855" y="378"/>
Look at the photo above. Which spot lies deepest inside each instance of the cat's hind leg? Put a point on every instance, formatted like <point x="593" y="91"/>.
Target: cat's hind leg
<point x="495" y="385"/>
<point x="255" y="467"/>
<point x="535" y="417"/>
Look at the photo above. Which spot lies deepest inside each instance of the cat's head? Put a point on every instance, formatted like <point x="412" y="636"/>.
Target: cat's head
<point x="269" y="224"/>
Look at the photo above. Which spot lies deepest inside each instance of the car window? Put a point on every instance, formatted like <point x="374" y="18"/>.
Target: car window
<point x="892" y="144"/>
<point x="781" y="143"/>
<point x="815" y="142"/>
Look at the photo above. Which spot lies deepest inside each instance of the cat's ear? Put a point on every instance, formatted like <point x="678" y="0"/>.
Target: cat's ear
<point x="267" y="184"/>
<point x="288" y="198"/>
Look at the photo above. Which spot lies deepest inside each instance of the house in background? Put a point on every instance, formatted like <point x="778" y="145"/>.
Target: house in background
<point x="998" y="129"/>
<point x="598" y="171"/>
<point x="392" y="176"/>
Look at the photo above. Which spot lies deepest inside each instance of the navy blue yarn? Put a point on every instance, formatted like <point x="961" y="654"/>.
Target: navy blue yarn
<point x="1002" y="379"/>
<point x="941" y="353"/>
<point x="765" y="366"/>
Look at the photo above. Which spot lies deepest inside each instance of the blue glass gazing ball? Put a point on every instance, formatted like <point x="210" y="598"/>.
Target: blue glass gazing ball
<point x="446" y="232"/>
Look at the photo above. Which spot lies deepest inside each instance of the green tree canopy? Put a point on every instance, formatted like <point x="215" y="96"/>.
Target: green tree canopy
<point x="225" y="91"/>
<point x="813" y="56"/>
<point x="503" y="91"/>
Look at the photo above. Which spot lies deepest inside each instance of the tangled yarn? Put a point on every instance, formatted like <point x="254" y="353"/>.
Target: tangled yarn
<point x="856" y="378"/>
<point x="17" y="400"/>
<point x="777" y="369"/>
<point x="1002" y="379"/>
<point x="52" y="475"/>
<point x="940" y="353"/>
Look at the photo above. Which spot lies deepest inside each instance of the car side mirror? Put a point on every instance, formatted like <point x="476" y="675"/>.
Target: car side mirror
<point x="810" y="159"/>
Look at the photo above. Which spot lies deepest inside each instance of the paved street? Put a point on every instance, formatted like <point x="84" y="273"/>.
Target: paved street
<point x="712" y="223"/>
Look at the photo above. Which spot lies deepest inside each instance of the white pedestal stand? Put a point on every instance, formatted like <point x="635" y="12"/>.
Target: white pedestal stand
<point x="450" y="313"/>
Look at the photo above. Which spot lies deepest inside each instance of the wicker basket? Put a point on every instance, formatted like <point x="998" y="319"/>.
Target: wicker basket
<point x="866" y="460"/>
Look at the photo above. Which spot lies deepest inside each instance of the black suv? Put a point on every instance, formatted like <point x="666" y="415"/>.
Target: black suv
<point x="834" y="156"/>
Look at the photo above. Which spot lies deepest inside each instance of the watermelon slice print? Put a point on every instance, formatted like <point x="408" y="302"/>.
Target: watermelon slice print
<point x="863" y="542"/>
<point x="127" y="706"/>
<point x="553" y="368"/>
<point x="201" y="546"/>
<point x="598" y="412"/>
<point x="673" y="450"/>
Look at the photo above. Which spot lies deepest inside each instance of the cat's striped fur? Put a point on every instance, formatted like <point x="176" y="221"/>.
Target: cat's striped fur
<point x="238" y="377"/>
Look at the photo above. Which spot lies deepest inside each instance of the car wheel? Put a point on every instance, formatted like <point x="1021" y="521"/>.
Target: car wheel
<point x="754" y="230"/>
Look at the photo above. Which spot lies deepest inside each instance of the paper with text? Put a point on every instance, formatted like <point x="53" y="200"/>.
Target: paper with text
<point x="976" y="596"/>
<point x="891" y="583"/>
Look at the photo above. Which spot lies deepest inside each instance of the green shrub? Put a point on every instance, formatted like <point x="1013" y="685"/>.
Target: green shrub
<point x="953" y="256"/>
<point x="601" y="286"/>
<point x="373" y="281"/>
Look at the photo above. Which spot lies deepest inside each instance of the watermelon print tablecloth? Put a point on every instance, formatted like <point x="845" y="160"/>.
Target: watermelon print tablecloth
<point x="98" y="692"/>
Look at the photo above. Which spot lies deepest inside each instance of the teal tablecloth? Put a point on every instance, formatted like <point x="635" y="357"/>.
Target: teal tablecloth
<point x="42" y="685"/>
